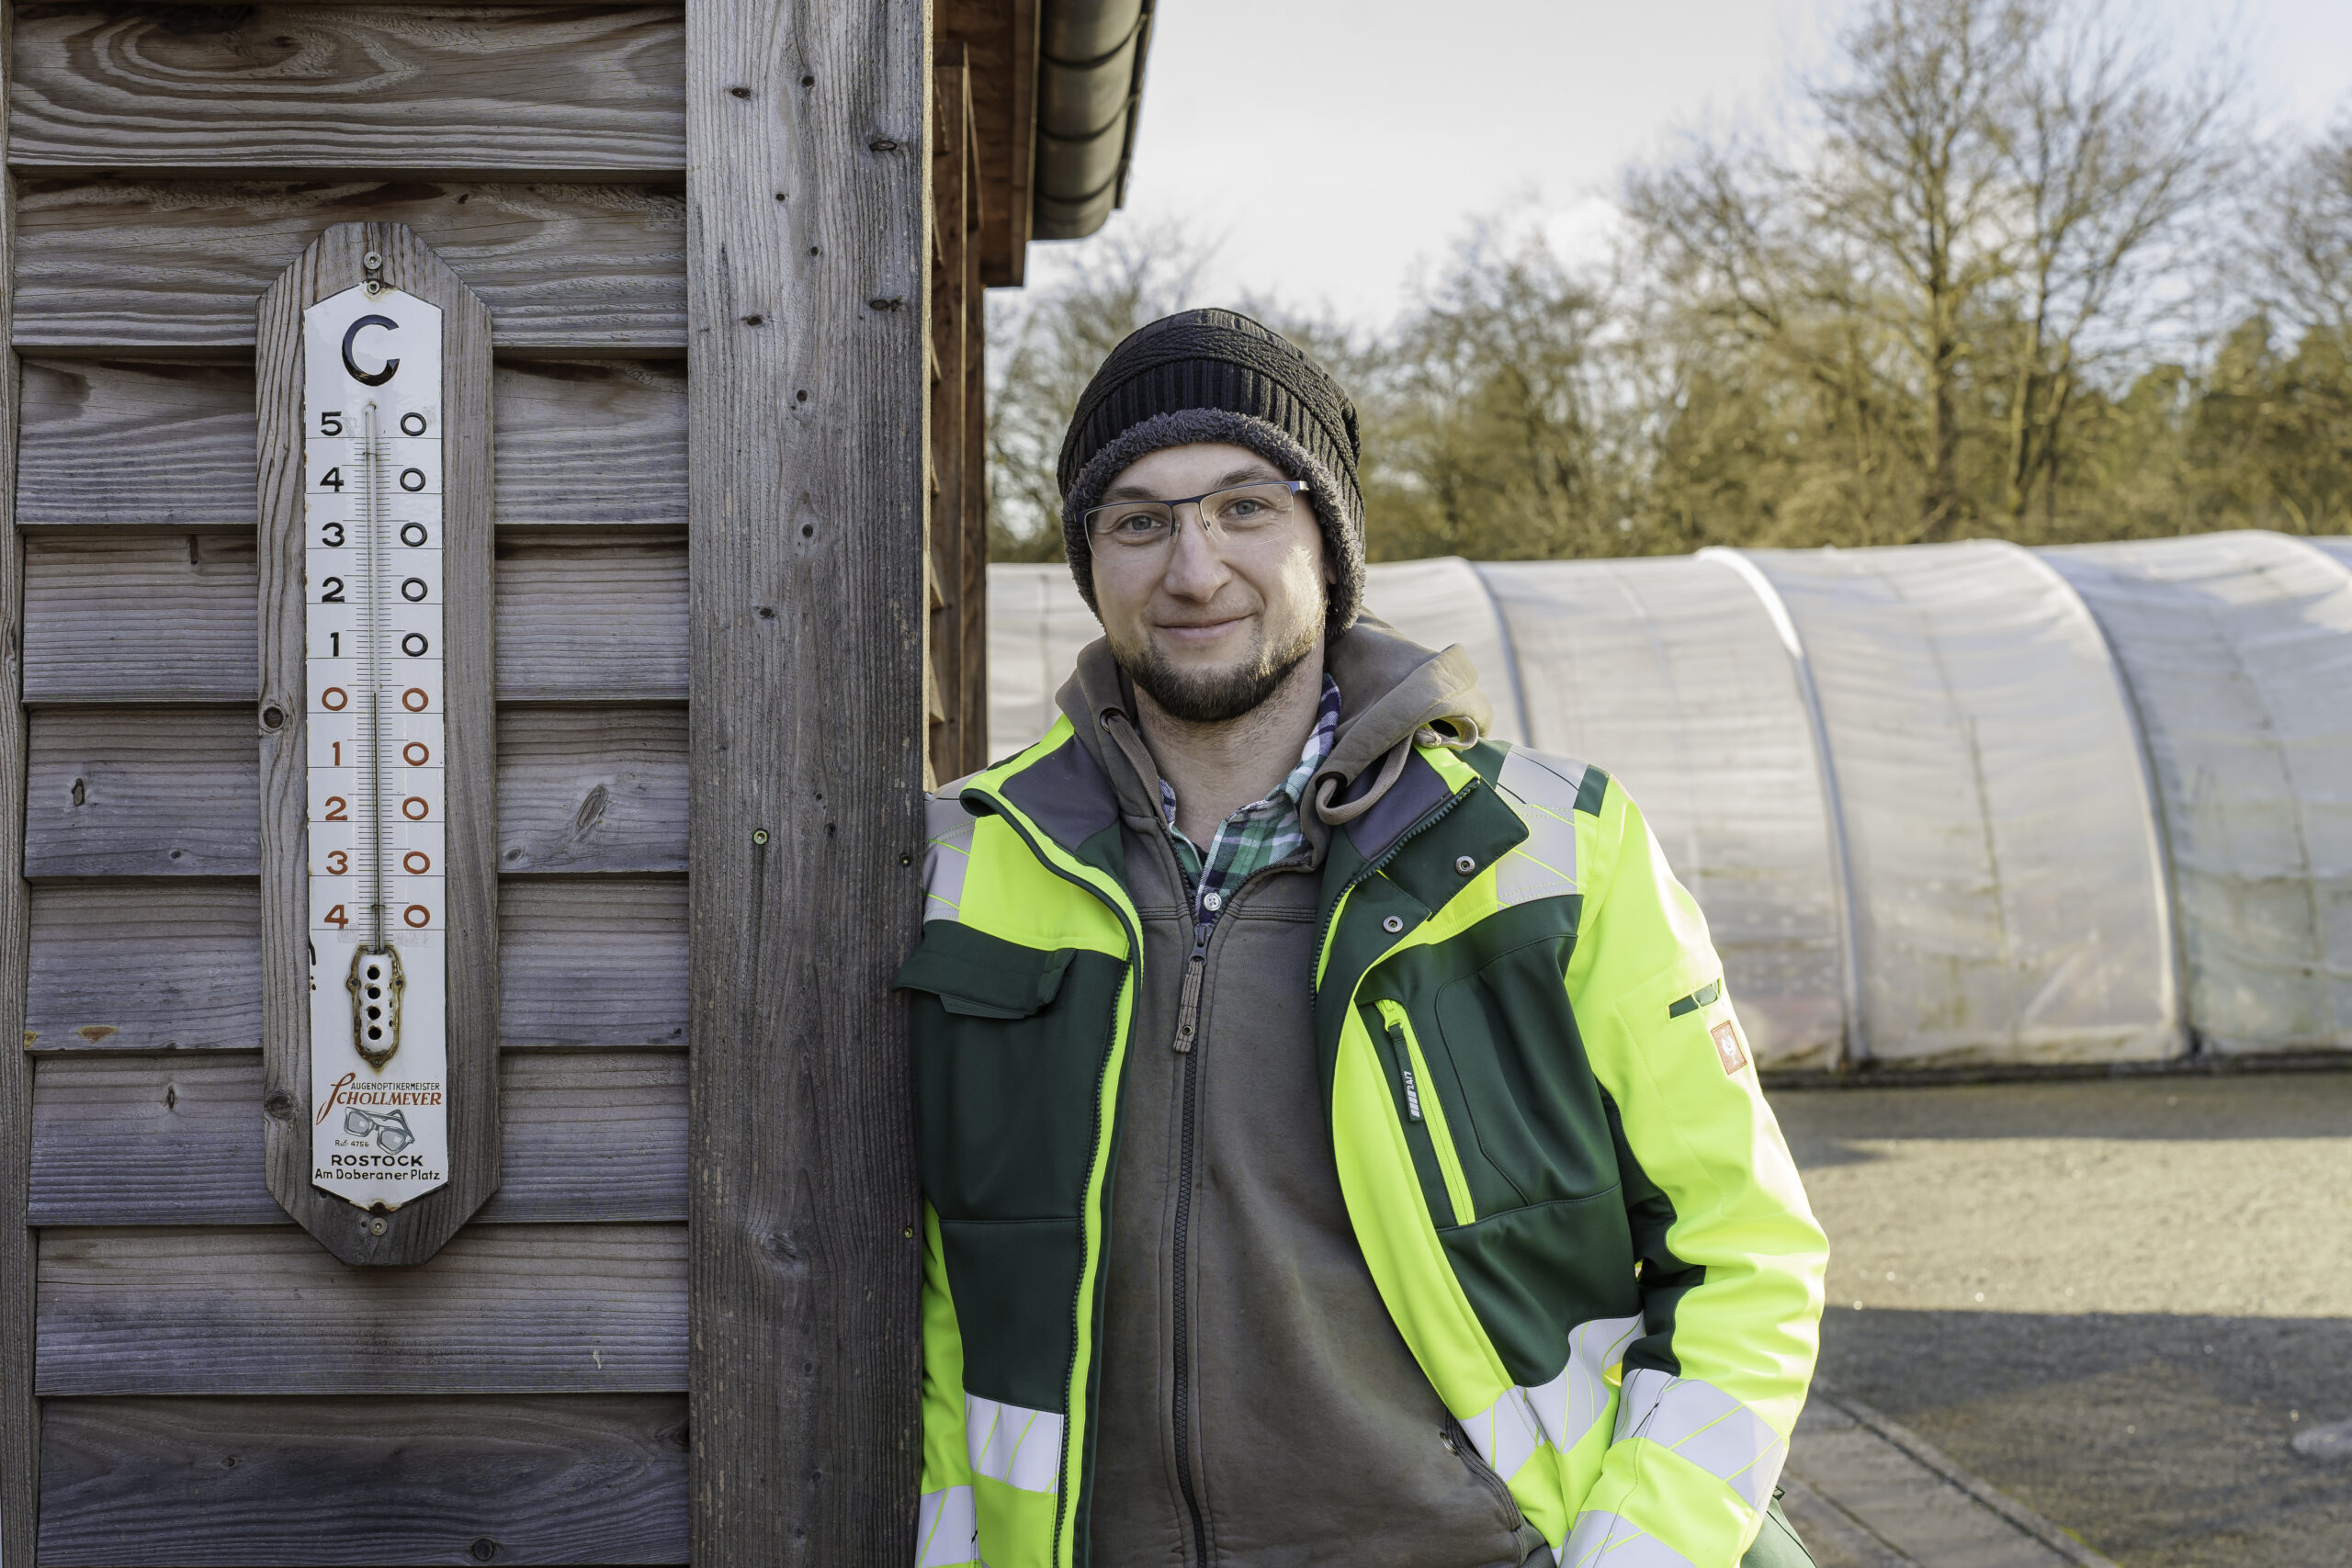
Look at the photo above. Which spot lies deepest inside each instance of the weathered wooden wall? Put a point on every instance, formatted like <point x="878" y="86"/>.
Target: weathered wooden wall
<point x="521" y="1397"/>
<point x="211" y="1386"/>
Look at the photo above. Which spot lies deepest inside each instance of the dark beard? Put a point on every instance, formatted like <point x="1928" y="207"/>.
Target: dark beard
<point x="1220" y="697"/>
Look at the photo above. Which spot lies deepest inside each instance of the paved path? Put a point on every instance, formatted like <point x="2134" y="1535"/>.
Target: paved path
<point x="2126" y="1304"/>
<point x="1865" y="1492"/>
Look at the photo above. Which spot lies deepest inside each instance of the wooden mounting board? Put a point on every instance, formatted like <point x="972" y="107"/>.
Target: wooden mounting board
<point x="415" y="1231"/>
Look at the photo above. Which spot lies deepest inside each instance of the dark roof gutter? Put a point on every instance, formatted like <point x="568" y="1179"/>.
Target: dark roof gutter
<point x="1089" y="94"/>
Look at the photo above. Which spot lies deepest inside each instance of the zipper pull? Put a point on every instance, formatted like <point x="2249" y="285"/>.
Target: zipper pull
<point x="1188" y="1010"/>
<point x="1404" y="1065"/>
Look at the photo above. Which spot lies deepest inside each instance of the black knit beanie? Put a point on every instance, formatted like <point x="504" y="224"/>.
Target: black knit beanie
<point x="1216" y="376"/>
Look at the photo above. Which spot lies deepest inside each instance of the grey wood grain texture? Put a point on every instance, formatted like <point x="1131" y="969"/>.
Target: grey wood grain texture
<point x="19" y="1415"/>
<point x="126" y="790"/>
<point x="591" y="1136"/>
<point x="469" y="843"/>
<point x="807" y="605"/>
<point x="140" y="619"/>
<point x="592" y="442"/>
<point x="207" y="1483"/>
<point x="169" y="443"/>
<point x="162" y="265"/>
<point x="499" y="1309"/>
<point x="168" y="964"/>
<point x="590" y="615"/>
<point x="597" y="616"/>
<point x="591" y="787"/>
<point x="594" y="961"/>
<point x="165" y="791"/>
<point x="152" y="442"/>
<point x="494" y="89"/>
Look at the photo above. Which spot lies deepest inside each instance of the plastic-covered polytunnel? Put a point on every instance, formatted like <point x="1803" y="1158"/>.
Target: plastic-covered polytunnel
<point x="1943" y="804"/>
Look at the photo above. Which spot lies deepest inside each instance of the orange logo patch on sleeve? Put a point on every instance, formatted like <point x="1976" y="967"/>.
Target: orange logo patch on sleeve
<point x="1729" y="1046"/>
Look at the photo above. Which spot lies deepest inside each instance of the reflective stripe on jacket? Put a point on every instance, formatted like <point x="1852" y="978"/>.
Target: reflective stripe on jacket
<point x="1571" y="1195"/>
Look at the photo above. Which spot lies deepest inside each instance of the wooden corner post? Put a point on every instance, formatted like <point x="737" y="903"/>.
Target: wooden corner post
<point x="806" y="197"/>
<point x="377" y="726"/>
<point x="19" y="1414"/>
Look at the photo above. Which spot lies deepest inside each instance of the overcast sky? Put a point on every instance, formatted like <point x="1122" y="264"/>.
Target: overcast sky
<point x="1329" y="145"/>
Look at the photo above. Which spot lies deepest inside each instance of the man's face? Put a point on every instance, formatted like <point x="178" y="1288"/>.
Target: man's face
<point x="1208" y="625"/>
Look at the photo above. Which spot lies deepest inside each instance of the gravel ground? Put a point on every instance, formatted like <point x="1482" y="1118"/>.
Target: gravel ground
<point x="2118" y="1301"/>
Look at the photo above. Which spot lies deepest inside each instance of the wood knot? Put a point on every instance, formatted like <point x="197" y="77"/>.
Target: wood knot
<point x="892" y="303"/>
<point x="883" y="144"/>
<point x="592" y="811"/>
<point x="278" y="1107"/>
<point x="94" y="1032"/>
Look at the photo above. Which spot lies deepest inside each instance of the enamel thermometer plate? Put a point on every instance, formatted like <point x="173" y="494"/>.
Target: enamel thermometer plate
<point x="372" y="594"/>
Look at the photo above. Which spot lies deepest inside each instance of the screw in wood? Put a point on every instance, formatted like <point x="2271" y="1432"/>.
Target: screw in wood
<point x="376" y="1227"/>
<point x="759" y="834"/>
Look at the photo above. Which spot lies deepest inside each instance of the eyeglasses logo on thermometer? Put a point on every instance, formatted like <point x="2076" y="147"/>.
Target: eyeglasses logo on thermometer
<point x="372" y="502"/>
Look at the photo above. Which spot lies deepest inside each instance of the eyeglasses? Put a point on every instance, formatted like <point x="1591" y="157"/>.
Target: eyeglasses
<point x="1233" y="514"/>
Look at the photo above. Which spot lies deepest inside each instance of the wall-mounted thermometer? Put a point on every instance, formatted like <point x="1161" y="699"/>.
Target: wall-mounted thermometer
<point x="372" y="566"/>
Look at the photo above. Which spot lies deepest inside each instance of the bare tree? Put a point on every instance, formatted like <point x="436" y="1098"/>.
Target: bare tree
<point x="1046" y="344"/>
<point x="1910" y="185"/>
<point x="2302" y="229"/>
<point x="2106" y="167"/>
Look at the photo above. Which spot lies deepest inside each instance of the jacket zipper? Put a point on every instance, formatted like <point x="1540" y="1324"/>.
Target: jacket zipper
<point x="1135" y="976"/>
<point x="1423" y="1105"/>
<point x="1187" y="1021"/>
<point x="1458" y="1440"/>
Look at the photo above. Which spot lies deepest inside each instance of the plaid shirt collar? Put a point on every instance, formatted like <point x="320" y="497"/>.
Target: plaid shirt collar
<point x="1258" y="835"/>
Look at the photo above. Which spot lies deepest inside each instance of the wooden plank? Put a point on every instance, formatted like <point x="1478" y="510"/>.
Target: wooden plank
<point x="19" y="1414"/>
<point x="170" y="444"/>
<point x="975" y="505"/>
<point x="174" y="791"/>
<point x="951" y="155"/>
<point x="249" y="1483"/>
<point x="159" y="266"/>
<point x="140" y="791"/>
<point x="591" y="787"/>
<point x="155" y="441"/>
<point x="593" y="961"/>
<point x="591" y="618"/>
<point x="807" y="594"/>
<point x="592" y="441"/>
<point x="1001" y="37"/>
<point x="333" y="266"/>
<point x="485" y="89"/>
<point x="595" y="615"/>
<point x="171" y="964"/>
<point x="501" y="1309"/>
<point x="140" y="619"/>
<point x="135" y="1138"/>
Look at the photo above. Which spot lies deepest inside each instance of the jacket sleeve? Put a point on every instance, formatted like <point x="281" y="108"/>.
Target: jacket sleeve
<point x="1731" y="1261"/>
<point x="947" y="1528"/>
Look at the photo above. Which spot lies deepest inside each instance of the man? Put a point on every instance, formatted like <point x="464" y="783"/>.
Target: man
<point x="1337" y="1145"/>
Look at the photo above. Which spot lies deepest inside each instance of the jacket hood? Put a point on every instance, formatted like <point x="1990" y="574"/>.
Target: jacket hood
<point x="1392" y="692"/>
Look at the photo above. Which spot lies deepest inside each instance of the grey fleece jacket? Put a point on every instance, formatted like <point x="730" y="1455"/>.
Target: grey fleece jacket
<point x="1259" y="1407"/>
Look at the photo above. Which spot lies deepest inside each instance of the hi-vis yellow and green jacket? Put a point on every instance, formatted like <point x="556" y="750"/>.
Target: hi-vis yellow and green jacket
<point x="1549" y="1137"/>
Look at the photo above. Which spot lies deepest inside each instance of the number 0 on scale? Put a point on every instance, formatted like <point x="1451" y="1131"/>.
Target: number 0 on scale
<point x="372" y="508"/>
